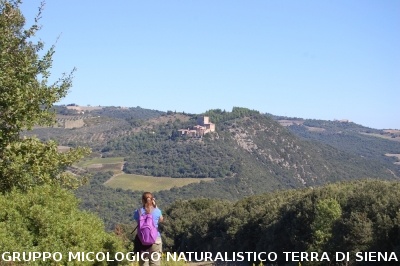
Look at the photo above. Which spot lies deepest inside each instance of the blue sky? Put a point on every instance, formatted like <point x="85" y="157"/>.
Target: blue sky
<point x="309" y="59"/>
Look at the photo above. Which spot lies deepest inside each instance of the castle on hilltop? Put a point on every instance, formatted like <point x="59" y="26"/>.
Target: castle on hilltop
<point x="203" y="126"/>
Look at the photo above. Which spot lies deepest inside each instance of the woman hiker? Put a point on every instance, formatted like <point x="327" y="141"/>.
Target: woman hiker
<point x="150" y="252"/>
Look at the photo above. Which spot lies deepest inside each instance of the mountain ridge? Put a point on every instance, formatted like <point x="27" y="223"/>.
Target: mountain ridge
<point x="250" y="153"/>
<point x="261" y="135"/>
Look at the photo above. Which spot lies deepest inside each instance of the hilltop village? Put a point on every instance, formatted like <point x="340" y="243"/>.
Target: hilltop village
<point x="203" y="127"/>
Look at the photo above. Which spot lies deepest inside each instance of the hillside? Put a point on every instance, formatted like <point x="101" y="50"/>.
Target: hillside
<point x="271" y="158"/>
<point x="347" y="217"/>
<point x="92" y="126"/>
<point x="248" y="154"/>
<point x="246" y="145"/>
<point x="347" y="136"/>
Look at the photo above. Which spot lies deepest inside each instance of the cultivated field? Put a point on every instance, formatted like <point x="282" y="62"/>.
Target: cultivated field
<point x="387" y="136"/>
<point x="315" y="129"/>
<point x="287" y="123"/>
<point x="84" y="108"/>
<point x="102" y="161"/>
<point x="150" y="183"/>
<point x="134" y="182"/>
<point x="114" y="164"/>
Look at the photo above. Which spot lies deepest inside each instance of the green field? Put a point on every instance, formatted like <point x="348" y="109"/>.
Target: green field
<point x="97" y="164"/>
<point x="150" y="183"/>
<point x="134" y="182"/>
<point x="108" y="160"/>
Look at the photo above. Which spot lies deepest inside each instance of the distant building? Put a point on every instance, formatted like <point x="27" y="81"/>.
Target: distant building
<point x="205" y="122"/>
<point x="343" y="121"/>
<point x="203" y="127"/>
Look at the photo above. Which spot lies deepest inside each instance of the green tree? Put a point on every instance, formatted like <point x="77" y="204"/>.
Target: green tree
<point x="47" y="219"/>
<point x="26" y="100"/>
<point x="37" y="212"/>
<point x="327" y="211"/>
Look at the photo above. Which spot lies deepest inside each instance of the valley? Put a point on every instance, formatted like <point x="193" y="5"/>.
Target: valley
<point x="249" y="153"/>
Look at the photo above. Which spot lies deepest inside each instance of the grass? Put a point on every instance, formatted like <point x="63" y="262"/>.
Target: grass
<point x="134" y="182"/>
<point x="107" y="160"/>
<point x="149" y="183"/>
<point x="97" y="164"/>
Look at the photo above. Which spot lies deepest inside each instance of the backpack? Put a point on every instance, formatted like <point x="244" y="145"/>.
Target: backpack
<point x="147" y="230"/>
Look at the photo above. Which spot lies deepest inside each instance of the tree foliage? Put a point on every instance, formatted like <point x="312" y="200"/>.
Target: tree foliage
<point x="347" y="217"/>
<point x="37" y="212"/>
<point x="47" y="219"/>
<point x="26" y="97"/>
<point x="327" y="212"/>
<point x="26" y="100"/>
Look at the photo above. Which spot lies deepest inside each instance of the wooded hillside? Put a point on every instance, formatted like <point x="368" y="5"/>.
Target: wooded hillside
<point x="347" y="217"/>
<point x="249" y="154"/>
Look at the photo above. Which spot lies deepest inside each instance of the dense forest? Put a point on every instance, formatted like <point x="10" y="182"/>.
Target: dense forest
<point x="114" y="206"/>
<point x="348" y="217"/>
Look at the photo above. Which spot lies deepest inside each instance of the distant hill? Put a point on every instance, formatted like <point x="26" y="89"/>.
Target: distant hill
<point x="273" y="157"/>
<point x="347" y="136"/>
<point x="248" y="154"/>
<point x="99" y="124"/>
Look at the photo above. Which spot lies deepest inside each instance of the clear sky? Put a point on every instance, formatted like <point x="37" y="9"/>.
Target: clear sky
<point x="310" y="59"/>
